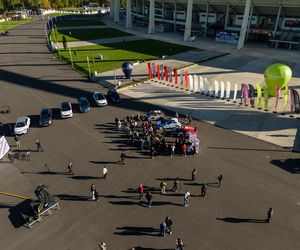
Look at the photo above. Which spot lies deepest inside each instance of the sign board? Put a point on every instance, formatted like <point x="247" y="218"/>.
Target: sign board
<point x="227" y="37"/>
<point x="4" y="147"/>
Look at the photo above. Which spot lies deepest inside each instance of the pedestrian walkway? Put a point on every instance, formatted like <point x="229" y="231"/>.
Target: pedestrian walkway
<point x="119" y="39"/>
<point x="91" y="27"/>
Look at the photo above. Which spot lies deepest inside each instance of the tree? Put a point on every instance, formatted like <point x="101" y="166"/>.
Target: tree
<point x="46" y="4"/>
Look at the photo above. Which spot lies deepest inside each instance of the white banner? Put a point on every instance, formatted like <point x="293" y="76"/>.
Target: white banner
<point x="228" y="89"/>
<point x="222" y="90"/>
<point x="4" y="147"/>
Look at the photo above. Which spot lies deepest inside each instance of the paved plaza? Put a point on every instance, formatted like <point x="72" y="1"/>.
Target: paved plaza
<point x="257" y="175"/>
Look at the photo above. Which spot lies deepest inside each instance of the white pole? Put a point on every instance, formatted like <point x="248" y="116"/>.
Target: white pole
<point x="88" y="62"/>
<point x="71" y="57"/>
<point x="244" y="25"/>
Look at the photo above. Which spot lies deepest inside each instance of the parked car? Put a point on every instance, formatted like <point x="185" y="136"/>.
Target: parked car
<point x="22" y="125"/>
<point x="100" y="99"/>
<point x="113" y="95"/>
<point x="84" y="105"/>
<point x="168" y="123"/>
<point x="45" y="117"/>
<point x="66" y="110"/>
<point x="154" y="115"/>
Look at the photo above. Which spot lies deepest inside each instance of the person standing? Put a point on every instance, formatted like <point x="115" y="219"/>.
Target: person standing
<point x="163" y="229"/>
<point x="123" y="157"/>
<point x="186" y="198"/>
<point x="179" y="244"/>
<point x="152" y="151"/>
<point x="172" y="150"/>
<point x="175" y="185"/>
<point x="183" y="149"/>
<point x="102" y="245"/>
<point x="149" y="198"/>
<point x="17" y="140"/>
<point x="269" y="215"/>
<point x="39" y="146"/>
<point x="70" y="169"/>
<point x="105" y="172"/>
<point x="141" y="191"/>
<point x="203" y="190"/>
<point x="169" y="224"/>
<point x="194" y="173"/>
<point x="163" y="186"/>
<point x="119" y="125"/>
<point x="220" y="178"/>
<point x="93" y="191"/>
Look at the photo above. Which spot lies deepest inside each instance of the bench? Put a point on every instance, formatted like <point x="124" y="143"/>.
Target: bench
<point x="290" y="43"/>
<point x="44" y="214"/>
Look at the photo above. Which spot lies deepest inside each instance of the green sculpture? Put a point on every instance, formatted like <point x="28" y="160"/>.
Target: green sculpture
<point x="277" y="74"/>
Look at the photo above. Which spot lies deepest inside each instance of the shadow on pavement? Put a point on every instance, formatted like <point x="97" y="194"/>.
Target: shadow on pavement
<point x="241" y="220"/>
<point x="290" y="165"/>
<point x="69" y="197"/>
<point x="148" y="231"/>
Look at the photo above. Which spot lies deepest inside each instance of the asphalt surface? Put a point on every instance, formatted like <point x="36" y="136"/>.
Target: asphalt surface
<point x="257" y="175"/>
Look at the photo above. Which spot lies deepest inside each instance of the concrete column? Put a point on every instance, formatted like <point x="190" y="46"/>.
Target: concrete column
<point x="244" y="25"/>
<point x="151" y="17"/>
<point x="188" y="21"/>
<point x="116" y="11"/>
<point x="249" y="22"/>
<point x="227" y="16"/>
<point x="206" y="19"/>
<point x="277" y="21"/>
<point x="175" y="16"/>
<point x="112" y="9"/>
<point x="128" y="15"/>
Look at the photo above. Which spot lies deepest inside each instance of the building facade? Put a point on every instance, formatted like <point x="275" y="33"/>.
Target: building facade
<point x="238" y="21"/>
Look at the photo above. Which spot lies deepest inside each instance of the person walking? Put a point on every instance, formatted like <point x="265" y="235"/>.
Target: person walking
<point x="119" y="125"/>
<point x="17" y="140"/>
<point x="269" y="215"/>
<point x="10" y="157"/>
<point x="169" y="224"/>
<point x="105" y="172"/>
<point x="163" y="229"/>
<point x="93" y="191"/>
<point x="149" y="198"/>
<point x="186" y="198"/>
<point x="220" y="178"/>
<point x="179" y="244"/>
<point x="194" y="173"/>
<point x="163" y="186"/>
<point x="123" y="157"/>
<point x="175" y="185"/>
<point x="39" y="146"/>
<point x="70" y="169"/>
<point x="141" y="191"/>
<point x="172" y="150"/>
<point x="203" y="190"/>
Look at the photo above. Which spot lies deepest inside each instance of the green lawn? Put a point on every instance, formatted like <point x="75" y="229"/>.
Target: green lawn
<point x="10" y="24"/>
<point x="88" y="34"/>
<point x="73" y="23"/>
<point x="115" y="54"/>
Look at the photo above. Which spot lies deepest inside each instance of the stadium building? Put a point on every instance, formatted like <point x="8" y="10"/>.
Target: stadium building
<point x="276" y="22"/>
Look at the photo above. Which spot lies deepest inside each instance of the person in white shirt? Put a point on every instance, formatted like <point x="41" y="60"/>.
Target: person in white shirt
<point x="105" y="172"/>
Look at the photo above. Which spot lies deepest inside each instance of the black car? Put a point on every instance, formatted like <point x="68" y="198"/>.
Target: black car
<point x="113" y="95"/>
<point x="45" y="117"/>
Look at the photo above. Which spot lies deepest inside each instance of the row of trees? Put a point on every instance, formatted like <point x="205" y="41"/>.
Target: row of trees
<point x="46" y="4"/>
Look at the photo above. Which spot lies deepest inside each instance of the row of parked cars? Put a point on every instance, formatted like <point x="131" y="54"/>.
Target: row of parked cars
<point x="66" y="111"/>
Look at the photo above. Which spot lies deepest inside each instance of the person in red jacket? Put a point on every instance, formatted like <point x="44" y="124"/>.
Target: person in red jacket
<point x="141" y="191"/>
<point x="183" y="149"/>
